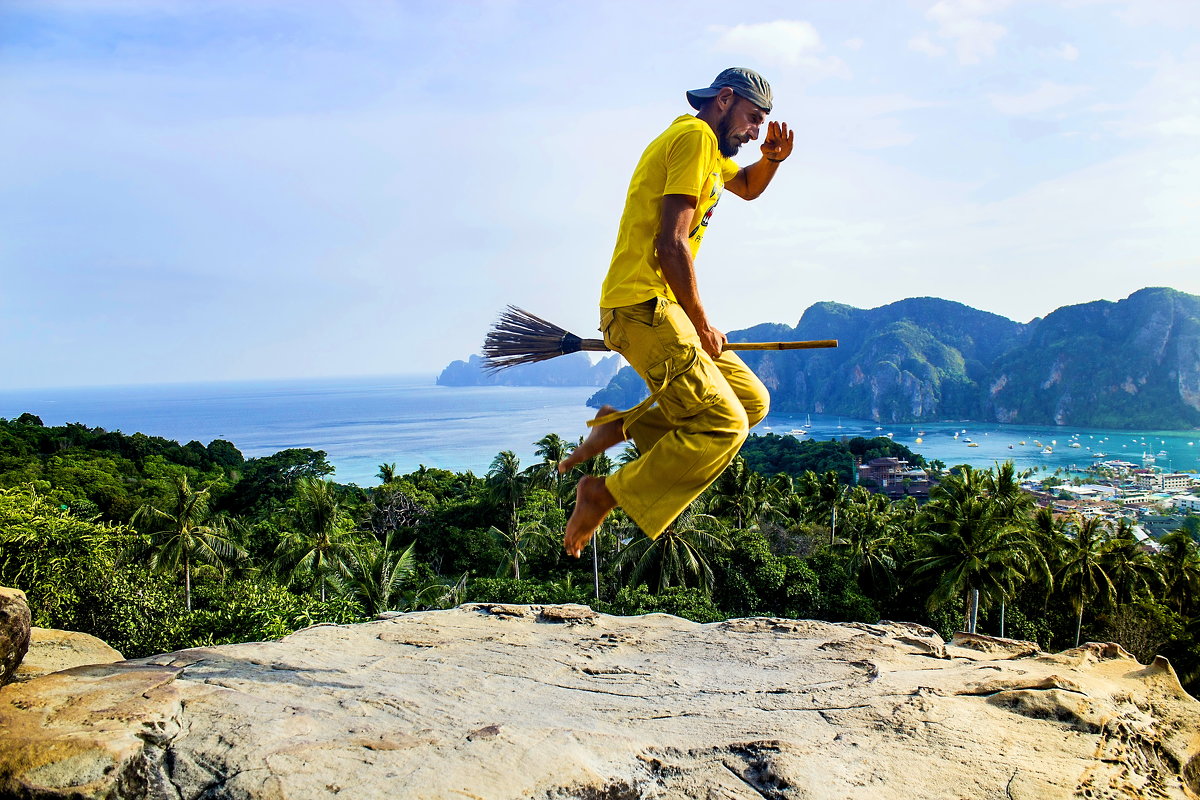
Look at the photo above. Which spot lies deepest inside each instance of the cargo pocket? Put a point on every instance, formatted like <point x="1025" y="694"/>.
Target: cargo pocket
<point x="687" y="382"/>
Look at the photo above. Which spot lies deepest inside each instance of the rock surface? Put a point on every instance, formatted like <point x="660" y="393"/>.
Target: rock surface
<point x="14" y="631"/>
<point x="51" y="650"/>
<point x="559" y="702"/>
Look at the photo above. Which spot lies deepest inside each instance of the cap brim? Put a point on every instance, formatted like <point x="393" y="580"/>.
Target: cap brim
<point x="696" y="97"/>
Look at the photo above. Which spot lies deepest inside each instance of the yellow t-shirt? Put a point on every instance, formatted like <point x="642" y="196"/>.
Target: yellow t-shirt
<point x="684" y="159"/>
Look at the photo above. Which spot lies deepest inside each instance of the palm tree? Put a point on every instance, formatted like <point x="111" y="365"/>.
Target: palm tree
<point x="185" y="533"/>
<point x="679" y="556"/>
<point x="738" y="492"/>
<point x="374" y="574"/>
<point x="972" y="546"/>
<point x="552" y="449"/>
<point x="824" y="494"/>
<point x="1132" y="570"/>
<point x="318" y="536"/>
<point x="1083" y="577"/>
<point x="506" y="486"/>
<point x="518" y="540"/>
<point x="870" y="525"/>
<point x="1180" y="565"/>
<point x="386" y="473"/>
<point x="630" y="453"/>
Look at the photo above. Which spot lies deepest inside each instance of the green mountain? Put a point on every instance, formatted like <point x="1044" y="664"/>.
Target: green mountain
<point x="1130" y="364"/>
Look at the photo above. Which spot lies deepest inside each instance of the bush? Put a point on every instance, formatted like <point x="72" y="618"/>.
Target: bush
<point x="688" y="603"/>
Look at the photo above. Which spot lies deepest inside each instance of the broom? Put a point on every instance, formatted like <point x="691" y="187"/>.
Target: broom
<point x="519" y="337"/>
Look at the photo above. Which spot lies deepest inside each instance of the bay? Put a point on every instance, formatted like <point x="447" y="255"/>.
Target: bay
<point x="409" y="420"/>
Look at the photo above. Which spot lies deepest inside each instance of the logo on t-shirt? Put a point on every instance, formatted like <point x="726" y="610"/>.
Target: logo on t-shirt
<point x="715" y="195"/>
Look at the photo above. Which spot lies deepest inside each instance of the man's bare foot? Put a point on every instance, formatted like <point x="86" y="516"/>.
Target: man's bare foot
<point x="599" y="439"/>
<point x="593" y="501"/>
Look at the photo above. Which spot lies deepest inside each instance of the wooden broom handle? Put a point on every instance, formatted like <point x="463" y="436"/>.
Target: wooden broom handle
<point x="597" y="345"/>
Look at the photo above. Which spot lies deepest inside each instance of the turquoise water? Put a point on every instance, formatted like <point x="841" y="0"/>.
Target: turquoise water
<point x="1180" y="449"/>
<point x="364" y="422"/>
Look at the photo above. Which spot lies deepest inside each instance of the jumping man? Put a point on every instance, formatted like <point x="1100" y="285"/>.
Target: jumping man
<point x="703" y="401"/>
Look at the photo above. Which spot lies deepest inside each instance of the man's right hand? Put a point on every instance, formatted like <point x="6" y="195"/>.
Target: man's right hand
<point x="713" y="341"/>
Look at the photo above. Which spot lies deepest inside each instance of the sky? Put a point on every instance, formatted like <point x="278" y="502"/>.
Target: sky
<point x="211" y="190"/>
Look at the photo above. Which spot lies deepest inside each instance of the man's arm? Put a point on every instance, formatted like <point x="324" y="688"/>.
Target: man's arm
<point x="751" y="181"/>
<point x="675" y="259"/>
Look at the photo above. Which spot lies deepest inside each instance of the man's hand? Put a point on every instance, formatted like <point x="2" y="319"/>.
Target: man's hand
<point x="779" y="141"/>
<point x="712" y="340"/>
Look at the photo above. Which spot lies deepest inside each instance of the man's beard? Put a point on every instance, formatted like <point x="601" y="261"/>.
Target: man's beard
<point x="726" y="141"/>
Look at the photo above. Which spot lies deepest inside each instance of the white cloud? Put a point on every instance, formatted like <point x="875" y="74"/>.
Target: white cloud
<point x="853" y="44"/>
<point x="921" y="43"/>
<point x="785" y="42"/>
<point x="1047" y="95"/>
<point x="1067" y="52"/>
<point x="964" y="25"/>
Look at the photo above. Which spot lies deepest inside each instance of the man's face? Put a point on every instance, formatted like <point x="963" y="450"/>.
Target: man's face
<point x="738" y="125"/>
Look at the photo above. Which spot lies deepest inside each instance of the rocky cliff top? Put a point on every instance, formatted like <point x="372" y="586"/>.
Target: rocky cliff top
<point x="489" y="701"/>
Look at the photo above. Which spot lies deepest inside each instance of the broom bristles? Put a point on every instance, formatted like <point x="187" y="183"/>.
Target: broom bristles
<point x="519" y="337"/>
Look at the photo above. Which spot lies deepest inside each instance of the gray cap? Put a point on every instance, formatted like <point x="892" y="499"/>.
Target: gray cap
<point x="745" y="83"/>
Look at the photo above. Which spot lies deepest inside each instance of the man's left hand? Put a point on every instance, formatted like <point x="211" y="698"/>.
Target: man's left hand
<point x="778" y="144"/>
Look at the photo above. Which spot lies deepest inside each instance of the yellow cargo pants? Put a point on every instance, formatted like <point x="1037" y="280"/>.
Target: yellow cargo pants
<point x="695" y="420"/>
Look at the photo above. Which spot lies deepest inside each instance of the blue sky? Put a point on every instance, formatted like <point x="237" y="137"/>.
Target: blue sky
<point x="234" y="190"/>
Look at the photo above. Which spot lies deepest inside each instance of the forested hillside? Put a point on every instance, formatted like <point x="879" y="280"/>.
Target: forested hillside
<point x="155" y="546"/>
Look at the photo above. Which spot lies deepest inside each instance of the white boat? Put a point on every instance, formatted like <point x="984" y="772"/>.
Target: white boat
<point x="797" y="432"/>
<point x="1047" y="451"/>
<point x="1075" y="444"/>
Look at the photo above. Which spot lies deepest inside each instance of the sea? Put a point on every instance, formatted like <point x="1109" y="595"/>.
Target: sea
<point x="409" y="421"/>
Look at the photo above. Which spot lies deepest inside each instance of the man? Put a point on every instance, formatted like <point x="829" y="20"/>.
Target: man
<point x="703" y="400"/>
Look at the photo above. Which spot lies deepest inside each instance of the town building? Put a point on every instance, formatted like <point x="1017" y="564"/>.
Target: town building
<point x="894" y="477"/>
<point x="1188" y="502"/>
<point x="1163" y="481"/>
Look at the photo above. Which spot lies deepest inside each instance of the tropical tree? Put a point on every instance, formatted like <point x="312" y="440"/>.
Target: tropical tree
<point x="1131" y="569"/>
<point x="524" y="535"/>
<point x="629" y="453"/>
<point x="738" y="492"/>
<point x="184" y="534"/>
<point x="1179" y="562"/>
<point x="869" y="529"/>
<point x="506" y="486"/>
<point x="386" y="473"/>
<point x="373" y="574"/>
<point x="972" y="545"/>
<point x="1083" y="577"/>
<point x="823" y="494"/>
<point x="552" y="449"/>
<point x="317" y="536"/>
<point x="680" y="556"/>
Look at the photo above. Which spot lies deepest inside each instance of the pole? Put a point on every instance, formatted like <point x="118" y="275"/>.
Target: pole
<point x="596" y="563"/>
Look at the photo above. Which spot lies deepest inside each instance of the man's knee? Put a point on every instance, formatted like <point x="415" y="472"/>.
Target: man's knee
<point x="756" y="407"/>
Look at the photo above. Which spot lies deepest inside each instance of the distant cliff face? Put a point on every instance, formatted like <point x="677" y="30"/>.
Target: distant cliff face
<point x="1129" y="364"/>
<point x="573" y="370"/>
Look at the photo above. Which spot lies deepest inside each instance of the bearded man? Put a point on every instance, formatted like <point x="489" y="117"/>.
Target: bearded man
<point x="703" y="400"/>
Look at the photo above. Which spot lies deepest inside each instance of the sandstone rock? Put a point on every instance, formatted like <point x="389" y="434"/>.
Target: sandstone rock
<point x="14" y="631"/>
<point x="502" y="702"/>
<point x="51" y="650"/>
<point x="994" y="645"/>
